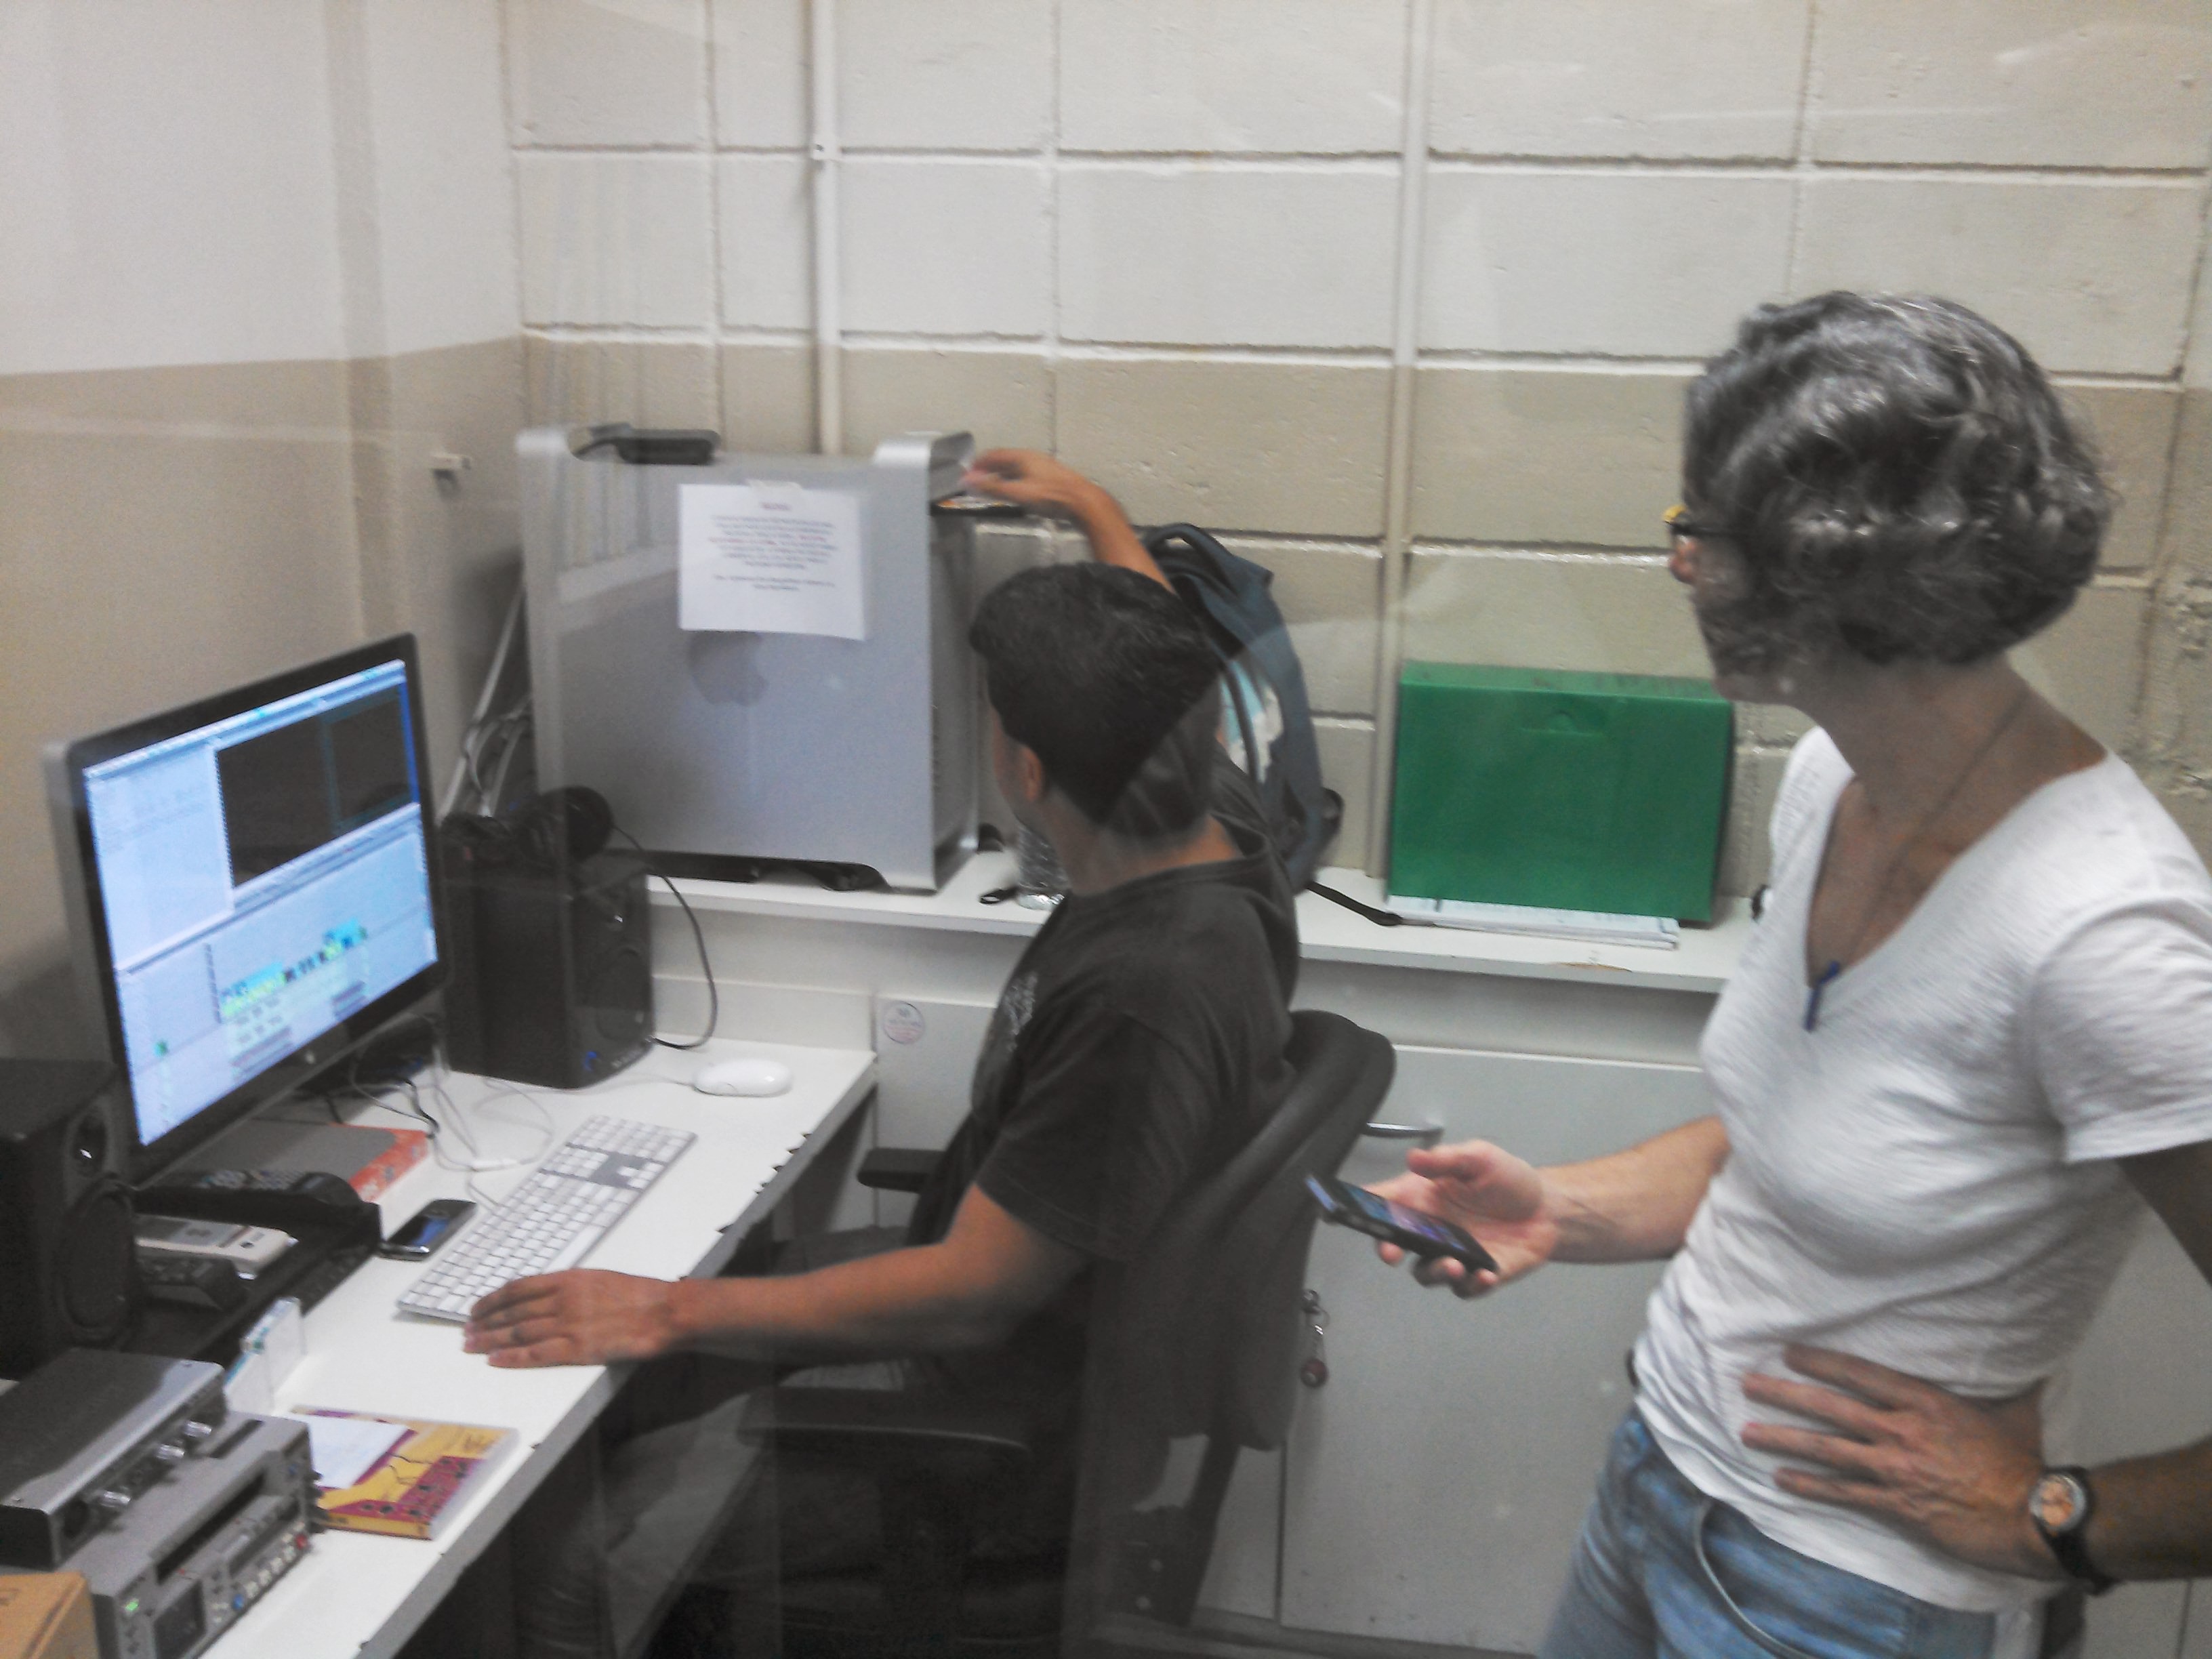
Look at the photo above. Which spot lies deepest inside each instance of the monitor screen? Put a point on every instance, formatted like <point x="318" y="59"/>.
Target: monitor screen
<point x="258" y="884"/>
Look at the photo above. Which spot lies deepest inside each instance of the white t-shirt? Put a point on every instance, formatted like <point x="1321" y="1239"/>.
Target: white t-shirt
<point x="1926" y="1179"/>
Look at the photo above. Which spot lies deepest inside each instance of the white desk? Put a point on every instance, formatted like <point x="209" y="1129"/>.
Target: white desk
<point x="354" y="1593"/>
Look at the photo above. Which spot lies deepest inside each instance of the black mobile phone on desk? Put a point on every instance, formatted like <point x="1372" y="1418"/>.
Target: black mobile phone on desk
<point x="430" y="1227"/>
<point x="1416" y="1230"/>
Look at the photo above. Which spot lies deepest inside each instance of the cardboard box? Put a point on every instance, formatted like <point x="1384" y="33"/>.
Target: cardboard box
<point x="46" y="1615"/>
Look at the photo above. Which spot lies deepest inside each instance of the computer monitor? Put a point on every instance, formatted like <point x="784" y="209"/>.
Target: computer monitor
<point x="249" y="887"/>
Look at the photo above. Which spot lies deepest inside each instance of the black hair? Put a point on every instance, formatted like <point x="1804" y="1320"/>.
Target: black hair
<point x="1898" y="479"/>
<point x="1113" y="685"/>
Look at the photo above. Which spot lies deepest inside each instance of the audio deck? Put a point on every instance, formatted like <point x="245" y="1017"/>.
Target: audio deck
<point x="85" y="1435"/>
<point x="196" y="1550"/>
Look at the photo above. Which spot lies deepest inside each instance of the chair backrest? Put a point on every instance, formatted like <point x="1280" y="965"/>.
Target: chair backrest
<point x="1208" y="1324"/>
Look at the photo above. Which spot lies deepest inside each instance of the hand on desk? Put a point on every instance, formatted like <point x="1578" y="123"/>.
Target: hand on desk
<point x="581" y="1317"/>
<point x="1955" y="1471"/>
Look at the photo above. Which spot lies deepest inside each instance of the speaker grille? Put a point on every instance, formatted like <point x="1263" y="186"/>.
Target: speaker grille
<point x="94" y="1278"/>
<point x="615" y="999"/>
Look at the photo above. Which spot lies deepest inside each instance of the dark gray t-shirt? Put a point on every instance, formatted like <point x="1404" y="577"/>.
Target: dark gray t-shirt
<point x="1139" y="1044"/>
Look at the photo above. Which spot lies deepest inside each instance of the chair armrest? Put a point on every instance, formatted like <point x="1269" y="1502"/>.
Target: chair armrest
<point x="893" y="1432"/>
<point x="898" y="1169"/>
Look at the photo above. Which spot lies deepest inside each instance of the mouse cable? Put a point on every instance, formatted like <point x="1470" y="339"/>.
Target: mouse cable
<point x="698" y="938"/>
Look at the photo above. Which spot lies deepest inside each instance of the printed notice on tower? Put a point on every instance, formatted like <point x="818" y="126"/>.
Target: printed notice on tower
<point x="771" y="558"/>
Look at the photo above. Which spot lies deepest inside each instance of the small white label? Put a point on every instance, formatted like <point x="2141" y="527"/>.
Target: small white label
<point x="903" y="1023"/>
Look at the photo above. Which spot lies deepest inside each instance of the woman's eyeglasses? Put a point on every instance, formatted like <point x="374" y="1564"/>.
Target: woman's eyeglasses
<point x="1681" y="527"/>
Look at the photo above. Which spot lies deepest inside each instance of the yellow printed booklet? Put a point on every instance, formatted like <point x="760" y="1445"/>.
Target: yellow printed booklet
<point x="395" y="1474"/>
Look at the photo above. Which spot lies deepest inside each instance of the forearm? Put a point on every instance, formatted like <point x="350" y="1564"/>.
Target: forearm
<point x="901" y="1302"/>
<point x="1635" y="1206"/>
<point x="1113" y="539"/>
<point x="2154" y="1515"/>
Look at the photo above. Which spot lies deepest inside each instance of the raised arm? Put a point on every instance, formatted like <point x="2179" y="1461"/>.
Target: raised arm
<point x="1032" y="479"/>
<point x="1633" y="1205"/>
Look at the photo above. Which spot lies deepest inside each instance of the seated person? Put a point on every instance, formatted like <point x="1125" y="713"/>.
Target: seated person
<point x="1139" y="1042"/>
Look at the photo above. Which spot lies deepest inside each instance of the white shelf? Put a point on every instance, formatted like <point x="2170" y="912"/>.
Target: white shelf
<point x="1327" y="931"/>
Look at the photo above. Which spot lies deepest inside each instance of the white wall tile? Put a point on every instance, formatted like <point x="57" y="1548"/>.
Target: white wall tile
<point x="1003" y="398"/>
<point x="2133" y="428"/>
<point x="613" y="239"/>
<point x="1330" y="594"/>
<point x="607" y="72"/>
<point x="1746" y="849"/>
<point x="766" y="226"/>
<point x="1321" y="76"/>
<point x="1291" y="446"/>
<point x="1620" y="263"/>
<point x="955" y="75"/>
<point x="2088" y="275"/>
<point x="2089" y="662"/>
<point x="1594" y="77"/>
<point x="2197" y="371"/>
<point x="1528" y="456"/>
<point x="1522" y="610"/>
<point x="2022" y="83"/>
<point x="767" y="397"/>
<point x="1348" y="766"/>
<point x="581" y="382"/>
<point x="945" y="248"/>
<point x="1204" y="255"/>
<point x="760" y="99"/>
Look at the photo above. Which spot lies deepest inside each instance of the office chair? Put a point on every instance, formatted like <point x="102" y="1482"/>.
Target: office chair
<point x="1201" y="1335"/>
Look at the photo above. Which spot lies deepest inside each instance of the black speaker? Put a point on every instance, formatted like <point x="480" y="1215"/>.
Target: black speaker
<point x="68" y="1269"/>
<point x="552" y="979"/>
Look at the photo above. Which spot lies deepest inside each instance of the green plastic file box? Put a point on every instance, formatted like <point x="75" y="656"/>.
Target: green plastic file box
<point x="1572" y="791"/>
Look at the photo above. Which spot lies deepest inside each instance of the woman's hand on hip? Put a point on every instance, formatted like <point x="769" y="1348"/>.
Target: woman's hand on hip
<point x="1957" y="1472"/>
<point x="1498" y="1198"/>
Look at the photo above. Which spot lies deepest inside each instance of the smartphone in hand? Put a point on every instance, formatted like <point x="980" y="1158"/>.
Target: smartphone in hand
<point x="1415" y="1230"/>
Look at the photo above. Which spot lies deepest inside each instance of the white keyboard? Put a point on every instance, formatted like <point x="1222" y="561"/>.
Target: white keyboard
<point x="563" y="1208"/>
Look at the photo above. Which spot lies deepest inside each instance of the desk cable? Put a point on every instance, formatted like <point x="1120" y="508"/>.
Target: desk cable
<point x="699" y="939"/>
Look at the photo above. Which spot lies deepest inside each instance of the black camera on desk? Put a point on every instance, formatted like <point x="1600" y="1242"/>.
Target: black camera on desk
<point x="552" y="939"/>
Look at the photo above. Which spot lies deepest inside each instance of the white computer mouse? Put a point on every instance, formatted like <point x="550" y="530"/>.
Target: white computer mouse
<point x="747" y="1076"/>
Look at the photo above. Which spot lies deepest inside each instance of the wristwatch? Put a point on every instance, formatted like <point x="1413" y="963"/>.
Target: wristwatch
<point x="2060" y="1505"/>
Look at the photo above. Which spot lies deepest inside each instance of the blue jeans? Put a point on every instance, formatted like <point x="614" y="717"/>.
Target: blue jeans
<point x="1664" y="1572"/>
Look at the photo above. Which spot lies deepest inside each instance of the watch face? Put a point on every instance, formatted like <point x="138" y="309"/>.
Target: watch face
<point x="2058" y="1503"/>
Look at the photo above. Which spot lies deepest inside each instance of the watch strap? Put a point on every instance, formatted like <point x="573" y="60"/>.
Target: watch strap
<point x="2068" y="1546"/>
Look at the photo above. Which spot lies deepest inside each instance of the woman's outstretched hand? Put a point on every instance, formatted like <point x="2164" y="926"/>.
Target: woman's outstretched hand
<point x="1498" y="1198"/>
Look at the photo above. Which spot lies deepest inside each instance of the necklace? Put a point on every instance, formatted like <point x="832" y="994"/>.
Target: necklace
<point x="1828" y="975"/>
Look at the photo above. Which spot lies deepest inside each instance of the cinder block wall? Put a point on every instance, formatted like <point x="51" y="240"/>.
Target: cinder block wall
<point x="1162" y="238"/>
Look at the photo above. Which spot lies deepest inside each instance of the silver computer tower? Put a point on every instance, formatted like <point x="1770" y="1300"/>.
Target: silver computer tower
<point x="753" y="746"/>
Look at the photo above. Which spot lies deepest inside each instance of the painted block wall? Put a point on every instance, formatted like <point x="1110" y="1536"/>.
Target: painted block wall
<point x="258" y="267"/>
<point x="1162" y="240"/>
<point x="260" y="270"/>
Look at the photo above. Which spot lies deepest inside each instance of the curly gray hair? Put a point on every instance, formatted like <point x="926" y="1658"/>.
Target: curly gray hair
<point x="1899" y="481"/>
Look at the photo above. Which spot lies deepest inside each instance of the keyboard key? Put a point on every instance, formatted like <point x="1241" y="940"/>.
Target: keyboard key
<point x="554" y="1218"/>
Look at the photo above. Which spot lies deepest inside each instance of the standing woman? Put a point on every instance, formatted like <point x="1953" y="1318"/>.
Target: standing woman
<point x="1968" y="1042"/>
